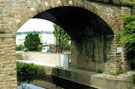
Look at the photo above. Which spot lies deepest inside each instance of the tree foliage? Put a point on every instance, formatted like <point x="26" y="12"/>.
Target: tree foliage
<point x="32" y="42"/>
<point x="127" y="38"/>
<point x="127" y="35"/>
<point x="62" y="38"/>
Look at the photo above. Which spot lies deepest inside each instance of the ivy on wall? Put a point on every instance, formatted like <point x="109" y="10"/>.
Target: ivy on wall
<point x="127" y="37"/>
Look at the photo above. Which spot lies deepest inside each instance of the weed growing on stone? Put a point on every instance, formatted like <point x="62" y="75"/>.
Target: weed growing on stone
<point x="118" y="73"/>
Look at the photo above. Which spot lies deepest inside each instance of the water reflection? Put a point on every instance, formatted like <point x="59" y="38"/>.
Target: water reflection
<point x="48" y="85"/>
<point x="67" y="84"/>
<point x="51" y="82"/>
<point x="28" y="86"/>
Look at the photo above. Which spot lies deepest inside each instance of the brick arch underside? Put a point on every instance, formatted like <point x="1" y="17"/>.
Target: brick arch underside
<point x="91" y="36"/>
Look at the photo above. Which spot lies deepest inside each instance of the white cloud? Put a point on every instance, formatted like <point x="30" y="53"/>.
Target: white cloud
<point x="37" y="25"/>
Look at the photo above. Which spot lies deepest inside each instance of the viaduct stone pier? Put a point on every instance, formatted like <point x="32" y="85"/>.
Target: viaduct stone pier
<point x="91" y="24"/>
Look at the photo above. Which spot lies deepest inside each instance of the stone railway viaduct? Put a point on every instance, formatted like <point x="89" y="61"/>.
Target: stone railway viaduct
<point x="92" y="25"/>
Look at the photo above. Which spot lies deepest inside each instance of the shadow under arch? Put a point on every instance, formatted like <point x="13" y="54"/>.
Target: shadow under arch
<point x="91" y="36"/>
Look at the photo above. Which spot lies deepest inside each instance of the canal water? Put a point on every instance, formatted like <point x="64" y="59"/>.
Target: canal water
<point x="57" y="83"/>
<point x="32" y="86"/>
<point x="29" y="86"/>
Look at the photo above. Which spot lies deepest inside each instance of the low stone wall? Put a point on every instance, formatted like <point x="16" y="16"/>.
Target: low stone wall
<point x="46" y="58"/>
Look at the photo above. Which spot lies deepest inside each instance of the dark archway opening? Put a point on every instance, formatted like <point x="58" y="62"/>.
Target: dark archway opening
<point x="91" y="36"/>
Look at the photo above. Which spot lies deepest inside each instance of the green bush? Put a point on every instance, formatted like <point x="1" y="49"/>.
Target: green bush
<point x="29" y="72"/>
<point x="19" y="47"/>
<point x="32" y="42"/>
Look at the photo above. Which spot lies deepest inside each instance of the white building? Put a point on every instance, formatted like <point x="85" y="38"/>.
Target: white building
<point x="48" y="39"/>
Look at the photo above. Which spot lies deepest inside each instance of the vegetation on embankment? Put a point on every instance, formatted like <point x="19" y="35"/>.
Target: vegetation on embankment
<point x="28" y="72"/>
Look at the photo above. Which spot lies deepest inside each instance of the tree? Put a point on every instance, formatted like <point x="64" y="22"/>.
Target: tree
<point x="62" y="38"/>
<point x="32" y="41"/>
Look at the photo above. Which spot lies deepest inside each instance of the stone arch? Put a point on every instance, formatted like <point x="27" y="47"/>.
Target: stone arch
<point x="99" y="9"/>
<point x="34" y="8"/>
